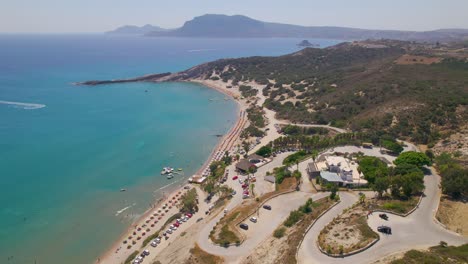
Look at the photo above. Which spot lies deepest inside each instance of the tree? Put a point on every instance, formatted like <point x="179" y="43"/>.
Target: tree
<point x="455" y="182"/>
<point x="393" y="146"/>
<point x="412" y="183"/>
<point x="372" y="167"/>
<point x="333" y="188"/>
<point x="246" y="147"/>
<point x="264" y="151"/>
<point x="189" y="201"/>
<point x="381" y="185"/>
<point x="415" y="158"/>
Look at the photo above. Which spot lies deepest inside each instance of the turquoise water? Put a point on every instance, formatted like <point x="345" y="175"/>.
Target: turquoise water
<point x="62" y="166"/>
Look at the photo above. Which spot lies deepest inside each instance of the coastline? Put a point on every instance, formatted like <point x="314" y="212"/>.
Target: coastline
<point x="225" y="143"/>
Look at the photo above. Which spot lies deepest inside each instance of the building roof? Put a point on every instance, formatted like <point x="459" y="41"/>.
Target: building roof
<point x="312" y="167"/>
<point x="330" y="176"/>
<point x="271" y="179"/>
<point x="255" y="156"/>
<point x="244" y="165"/>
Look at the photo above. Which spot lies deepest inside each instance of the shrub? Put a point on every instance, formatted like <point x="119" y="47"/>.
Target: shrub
<point x="279" y="232"/>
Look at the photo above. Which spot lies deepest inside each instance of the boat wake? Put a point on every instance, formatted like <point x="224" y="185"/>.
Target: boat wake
<point x="123" y="209"/>
<point x="165" y="186"/>
<point x="27" y="106"/>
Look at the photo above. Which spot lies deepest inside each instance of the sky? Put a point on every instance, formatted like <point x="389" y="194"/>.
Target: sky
<point x="82" y="16"/>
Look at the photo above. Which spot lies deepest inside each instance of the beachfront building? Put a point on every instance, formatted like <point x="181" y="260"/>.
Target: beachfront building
<point x="338" y="170"/>
<point x="244" y="165"/>
<point x="197" y="179"/>
<point x="253" y="161"/>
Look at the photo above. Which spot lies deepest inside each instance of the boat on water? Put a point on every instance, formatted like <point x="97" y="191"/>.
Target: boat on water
<point x="170" y="176"/>
<point x="179" y="169"/>
<point x="167" y="170"/>
<point x="123" y="190"/>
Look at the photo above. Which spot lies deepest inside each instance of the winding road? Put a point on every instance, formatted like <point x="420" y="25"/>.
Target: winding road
<point x="418" y="230"/>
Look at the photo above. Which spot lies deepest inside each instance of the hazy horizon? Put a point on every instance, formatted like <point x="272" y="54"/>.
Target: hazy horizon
<point x="49" y="16"/>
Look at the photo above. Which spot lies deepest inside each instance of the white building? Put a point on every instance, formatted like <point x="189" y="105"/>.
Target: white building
<point x="345" y="169"/>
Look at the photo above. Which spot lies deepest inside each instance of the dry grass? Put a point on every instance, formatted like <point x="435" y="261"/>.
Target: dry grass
<point x="297" y="232"/>
<point x="412" y="59"/>
<point x="453" y="215"/>
<point x="198" y="256"/>
<point x="348" y="232"/>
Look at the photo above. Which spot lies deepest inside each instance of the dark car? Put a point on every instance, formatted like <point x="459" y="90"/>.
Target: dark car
<point x="385" y="229"/>
<point x="383" y="216"/>
<point x="244" y="226"/>
<point x="267" y="207"/>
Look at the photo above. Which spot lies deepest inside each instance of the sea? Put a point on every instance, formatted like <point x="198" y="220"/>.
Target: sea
<point x="66" y="151"/>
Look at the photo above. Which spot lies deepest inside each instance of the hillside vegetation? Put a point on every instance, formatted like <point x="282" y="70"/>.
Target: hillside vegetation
<point x="361" y="86"/>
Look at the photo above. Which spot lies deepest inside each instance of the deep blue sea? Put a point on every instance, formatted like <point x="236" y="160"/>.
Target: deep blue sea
<point x="67" y="152"/>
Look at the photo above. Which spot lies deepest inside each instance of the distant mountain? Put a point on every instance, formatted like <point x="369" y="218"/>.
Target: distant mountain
<point x="223" y="26"/>
<point x="136" y="30"/>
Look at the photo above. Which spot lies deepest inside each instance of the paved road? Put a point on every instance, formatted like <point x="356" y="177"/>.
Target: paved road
<point x="339" y="130"/>
<point x="308" y="252"/>
<point x="417" y="230"/>
<point x="268" y="221"/>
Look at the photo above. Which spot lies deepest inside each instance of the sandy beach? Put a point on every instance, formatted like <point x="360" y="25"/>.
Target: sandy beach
<point x="155" y="217"/>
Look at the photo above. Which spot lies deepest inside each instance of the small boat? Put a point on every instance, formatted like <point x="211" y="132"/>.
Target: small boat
<point x="123" y="190"/>
<point x="170" y="176"/>
<point x="179" y="169"/>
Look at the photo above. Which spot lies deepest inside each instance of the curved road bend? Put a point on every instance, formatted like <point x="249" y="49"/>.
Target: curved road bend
<point x="418" y="230"/>
<point x="268" y="221"/>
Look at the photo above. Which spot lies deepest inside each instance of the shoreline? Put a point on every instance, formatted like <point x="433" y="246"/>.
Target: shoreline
<point x="225" y="143"/>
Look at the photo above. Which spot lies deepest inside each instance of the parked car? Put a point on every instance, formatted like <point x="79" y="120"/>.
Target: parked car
<point x="244" y="226"/>
<point x="245" y="196"/>
<point x="383" y="216"/>
<point x="235" y="178"/>
<point x="233" y="193"/>
<point x="253" y="219"/>
<point x="240" y="181"/>
<point x="153" y="243"/>
<point x="169" y="231"/>
<point x="176" y="224"/>
<point x="385" y="229"/>
<point x="189" y="215"/>
<point x="267" y="207"/>
<point x="146" y="252"/>
<point x="244" y="186"/>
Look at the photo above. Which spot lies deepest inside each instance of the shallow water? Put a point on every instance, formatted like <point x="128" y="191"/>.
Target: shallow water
<point x="66" y="151"/>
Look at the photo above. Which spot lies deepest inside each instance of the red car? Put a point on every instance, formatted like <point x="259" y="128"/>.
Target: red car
<point x="235" y="178"/>
<point x="176" y="224"/>
<point x="244" y="186"/>
<point x="189" y="215"/>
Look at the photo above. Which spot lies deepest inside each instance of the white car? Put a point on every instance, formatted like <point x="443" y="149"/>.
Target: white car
<point x="174" y="228"/>
<point x="253" y="219"/>
<point x="154" y="243"/>
<point x="169" y="231"/>
<point x="146" y="252"/>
